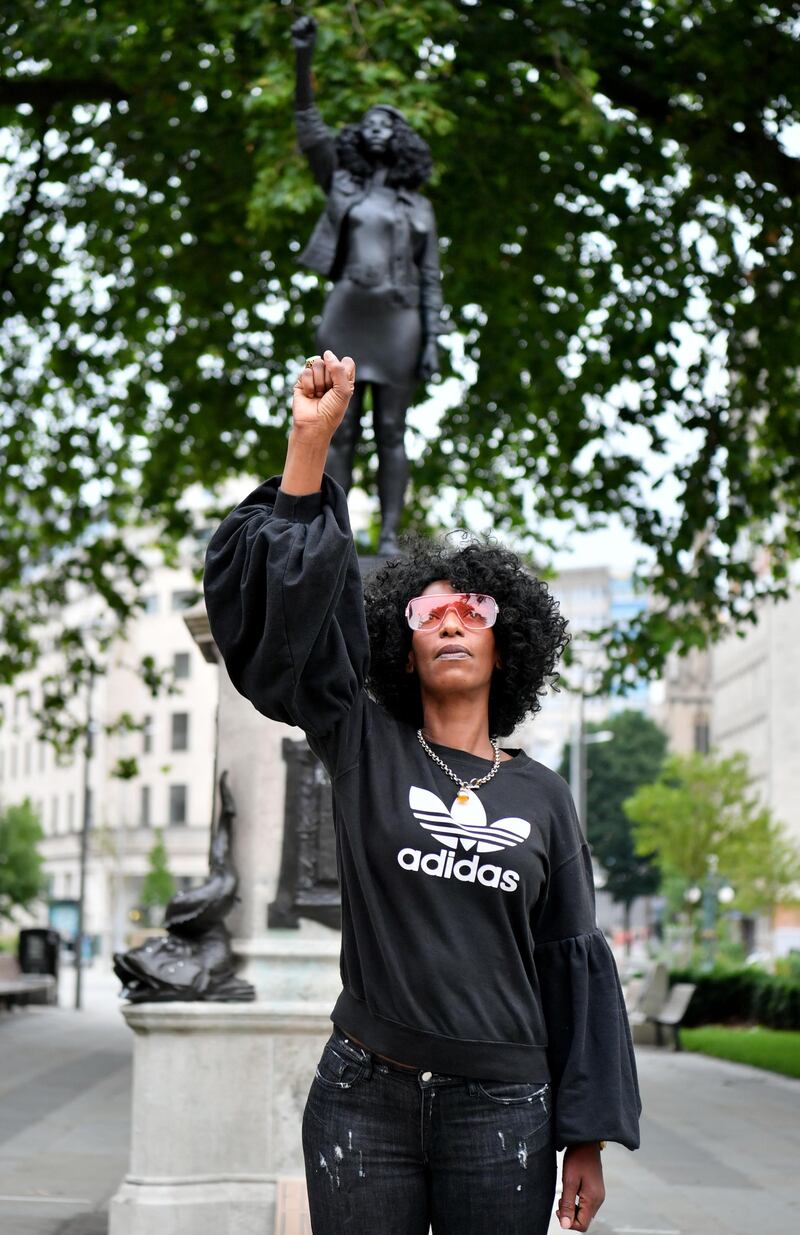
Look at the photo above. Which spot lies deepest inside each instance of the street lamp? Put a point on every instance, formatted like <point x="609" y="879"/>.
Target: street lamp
<point x="577" y="761"/>
<point x="715" y="892"/>
<point x="88" y="751"/>
<point x="580" y="740"/>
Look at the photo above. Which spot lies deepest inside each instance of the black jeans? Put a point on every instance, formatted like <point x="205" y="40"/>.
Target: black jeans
<point x="392" y="1152"/>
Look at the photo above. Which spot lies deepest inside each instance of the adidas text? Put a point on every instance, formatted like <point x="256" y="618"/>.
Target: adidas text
<point x="444" y="866"/>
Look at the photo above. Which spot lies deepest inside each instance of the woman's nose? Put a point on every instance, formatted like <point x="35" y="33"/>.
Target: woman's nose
<point x="451" y="621"/>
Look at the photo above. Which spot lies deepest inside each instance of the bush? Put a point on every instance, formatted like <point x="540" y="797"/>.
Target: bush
<point x="746" y="996"/>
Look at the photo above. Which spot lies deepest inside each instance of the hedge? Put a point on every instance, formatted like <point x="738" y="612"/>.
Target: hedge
<point x="741" y="996"/>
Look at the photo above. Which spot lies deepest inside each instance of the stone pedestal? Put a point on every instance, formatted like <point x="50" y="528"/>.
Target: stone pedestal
<point x="219" y="1089"/>
<point x="218" y="1096"/>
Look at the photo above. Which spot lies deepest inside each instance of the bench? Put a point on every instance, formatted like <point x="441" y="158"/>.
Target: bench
<point x="644" y="999"/>
<point x="19" y="989"/>
<point x="672" y="1013"/>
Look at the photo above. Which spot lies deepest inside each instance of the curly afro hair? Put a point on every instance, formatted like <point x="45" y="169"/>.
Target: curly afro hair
<point x="530" y="632"/>
<point x="411" y="163"/>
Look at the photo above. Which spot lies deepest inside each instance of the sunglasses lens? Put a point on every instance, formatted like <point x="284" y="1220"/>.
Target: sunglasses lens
<point x="474" y="611"/>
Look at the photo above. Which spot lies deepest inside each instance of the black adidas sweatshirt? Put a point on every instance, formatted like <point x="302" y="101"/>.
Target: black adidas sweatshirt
<point x="469" y="943"/>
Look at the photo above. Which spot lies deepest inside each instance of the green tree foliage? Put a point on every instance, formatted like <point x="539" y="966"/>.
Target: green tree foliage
<point x="702" y="806"/>
<point x="615" y="769"/>
<point x="159" y="886"/>
<point x="21" y="876"/>
<point x="617" y="207"/>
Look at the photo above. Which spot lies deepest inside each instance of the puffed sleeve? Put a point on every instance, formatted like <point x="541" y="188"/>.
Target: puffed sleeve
<point x="590" y="1051"/>
<point x="285" y="605"/>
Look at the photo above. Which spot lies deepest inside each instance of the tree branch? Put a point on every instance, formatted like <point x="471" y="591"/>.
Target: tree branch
<point x="27" y="209"/>
<point x="46" y="90"/>
<point x="759" y="153"/>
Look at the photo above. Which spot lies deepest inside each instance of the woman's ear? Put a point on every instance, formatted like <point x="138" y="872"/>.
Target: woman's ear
<point x="410" y="661"/>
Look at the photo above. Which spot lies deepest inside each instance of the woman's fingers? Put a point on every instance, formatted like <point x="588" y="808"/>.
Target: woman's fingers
<point x="306" y="382"/>
<point x="327" y="386"/>
<point x="319" y="374"/>
<point x="341" y="374"/>
<point x="566" y="1210"/>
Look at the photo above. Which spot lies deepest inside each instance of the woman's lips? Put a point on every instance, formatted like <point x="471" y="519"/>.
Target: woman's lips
<point x="452" y="651"/>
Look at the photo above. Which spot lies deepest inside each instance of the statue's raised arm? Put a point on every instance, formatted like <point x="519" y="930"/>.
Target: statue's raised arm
<point x="313" y="136"/>
<point x="376" y="240"/>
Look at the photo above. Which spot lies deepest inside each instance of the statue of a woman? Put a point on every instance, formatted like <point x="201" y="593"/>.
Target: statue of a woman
<point x="377" y="241"/>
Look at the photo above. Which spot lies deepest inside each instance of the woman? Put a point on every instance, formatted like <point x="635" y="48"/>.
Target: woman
<point x="481" y="1024"/>
<point x="377" y="241"/>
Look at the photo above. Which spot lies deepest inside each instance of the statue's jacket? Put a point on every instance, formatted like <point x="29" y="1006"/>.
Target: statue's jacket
<point x="416" y="281"/>
<point x="469" y="943"/>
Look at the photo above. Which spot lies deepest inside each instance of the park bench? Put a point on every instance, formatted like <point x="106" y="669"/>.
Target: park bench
<point x="18" y="988"/>
<point x="672" y="1013"/>
<point x="644" y="998"/>
<point x="653" y="1007"/>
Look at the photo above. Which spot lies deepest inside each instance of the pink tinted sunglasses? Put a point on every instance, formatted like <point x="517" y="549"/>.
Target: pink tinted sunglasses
<point x="474" y="611"/>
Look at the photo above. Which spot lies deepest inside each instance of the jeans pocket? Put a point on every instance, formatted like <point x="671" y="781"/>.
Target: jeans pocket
<point x="341" y="1066"/>
<point x="510" y="1093"/>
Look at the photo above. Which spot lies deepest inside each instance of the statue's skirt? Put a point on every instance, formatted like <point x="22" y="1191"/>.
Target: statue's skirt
<point x="383" y="337"/>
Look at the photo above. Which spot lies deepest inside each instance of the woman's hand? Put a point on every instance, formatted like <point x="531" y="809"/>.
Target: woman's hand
<point x="581" y="1177"/>
<point x="322" y="393"/>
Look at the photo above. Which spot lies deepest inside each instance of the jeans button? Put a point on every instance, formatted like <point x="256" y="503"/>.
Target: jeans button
<point x="426" y="1076"/>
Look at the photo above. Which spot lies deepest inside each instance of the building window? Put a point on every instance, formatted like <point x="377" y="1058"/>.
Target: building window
<point x="181" y="665"/>
<point x="177" y="803"/>
<point x="28" y="754"/>
<point x="42" y="750"/>
<point x="144" y="807"/>
<point x="183" y="600"/>
<point x="180" y="731"/>
<point x="150" y="603"/>
<point x="702" y="737"/>
<point x="54" y="816"/>
<point x="70" y="812"/>
<point x="88" y="808"/>
<point x="2" y="764"/>
<point x="147" y="735"/>
<point x="13" y="762"/>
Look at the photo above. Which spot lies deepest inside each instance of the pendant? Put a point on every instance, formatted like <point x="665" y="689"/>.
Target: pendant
<point x="462" y="796"/>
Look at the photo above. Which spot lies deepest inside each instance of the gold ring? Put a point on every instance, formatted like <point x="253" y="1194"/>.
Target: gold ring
<point x="310" y="361"/>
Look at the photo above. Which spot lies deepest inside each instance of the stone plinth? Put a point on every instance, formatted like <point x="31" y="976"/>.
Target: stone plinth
<point x="219" y="1089"/>
<point x="218" y="1097"/>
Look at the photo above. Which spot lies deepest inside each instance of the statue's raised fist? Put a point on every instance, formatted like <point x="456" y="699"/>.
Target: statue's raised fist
<point x="304" y="33"/>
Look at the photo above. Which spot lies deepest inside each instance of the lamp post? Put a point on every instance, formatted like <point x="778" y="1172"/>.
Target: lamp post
<point x="579" y="740"/>
<point x="88" y="751"/>
<point x="577" y="762"/>
<point x="714" y="892"/>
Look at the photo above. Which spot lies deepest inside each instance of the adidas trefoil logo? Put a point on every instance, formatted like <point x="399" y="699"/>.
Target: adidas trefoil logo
<point x="465" y="822"/>
<point x="465" y="825"/>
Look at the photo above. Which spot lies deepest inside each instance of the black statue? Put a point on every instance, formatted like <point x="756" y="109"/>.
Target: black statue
<point x="194" y="961"/>
<point x="377" y="241"/>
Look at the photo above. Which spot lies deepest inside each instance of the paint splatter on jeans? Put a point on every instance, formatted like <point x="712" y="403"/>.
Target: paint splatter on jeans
<point x="393" y="1152"/>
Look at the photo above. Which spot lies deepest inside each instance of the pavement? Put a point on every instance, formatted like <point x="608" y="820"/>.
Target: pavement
<point x="720" y="1142"/>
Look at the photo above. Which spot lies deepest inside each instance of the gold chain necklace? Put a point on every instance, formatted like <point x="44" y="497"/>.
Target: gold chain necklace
<point x="463" y="785"/>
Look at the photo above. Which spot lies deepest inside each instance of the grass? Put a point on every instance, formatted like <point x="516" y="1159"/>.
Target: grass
<point x="777" y="1050"/>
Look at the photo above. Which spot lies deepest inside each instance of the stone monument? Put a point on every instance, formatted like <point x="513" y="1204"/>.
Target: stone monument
<point x="219" y="1088"/>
